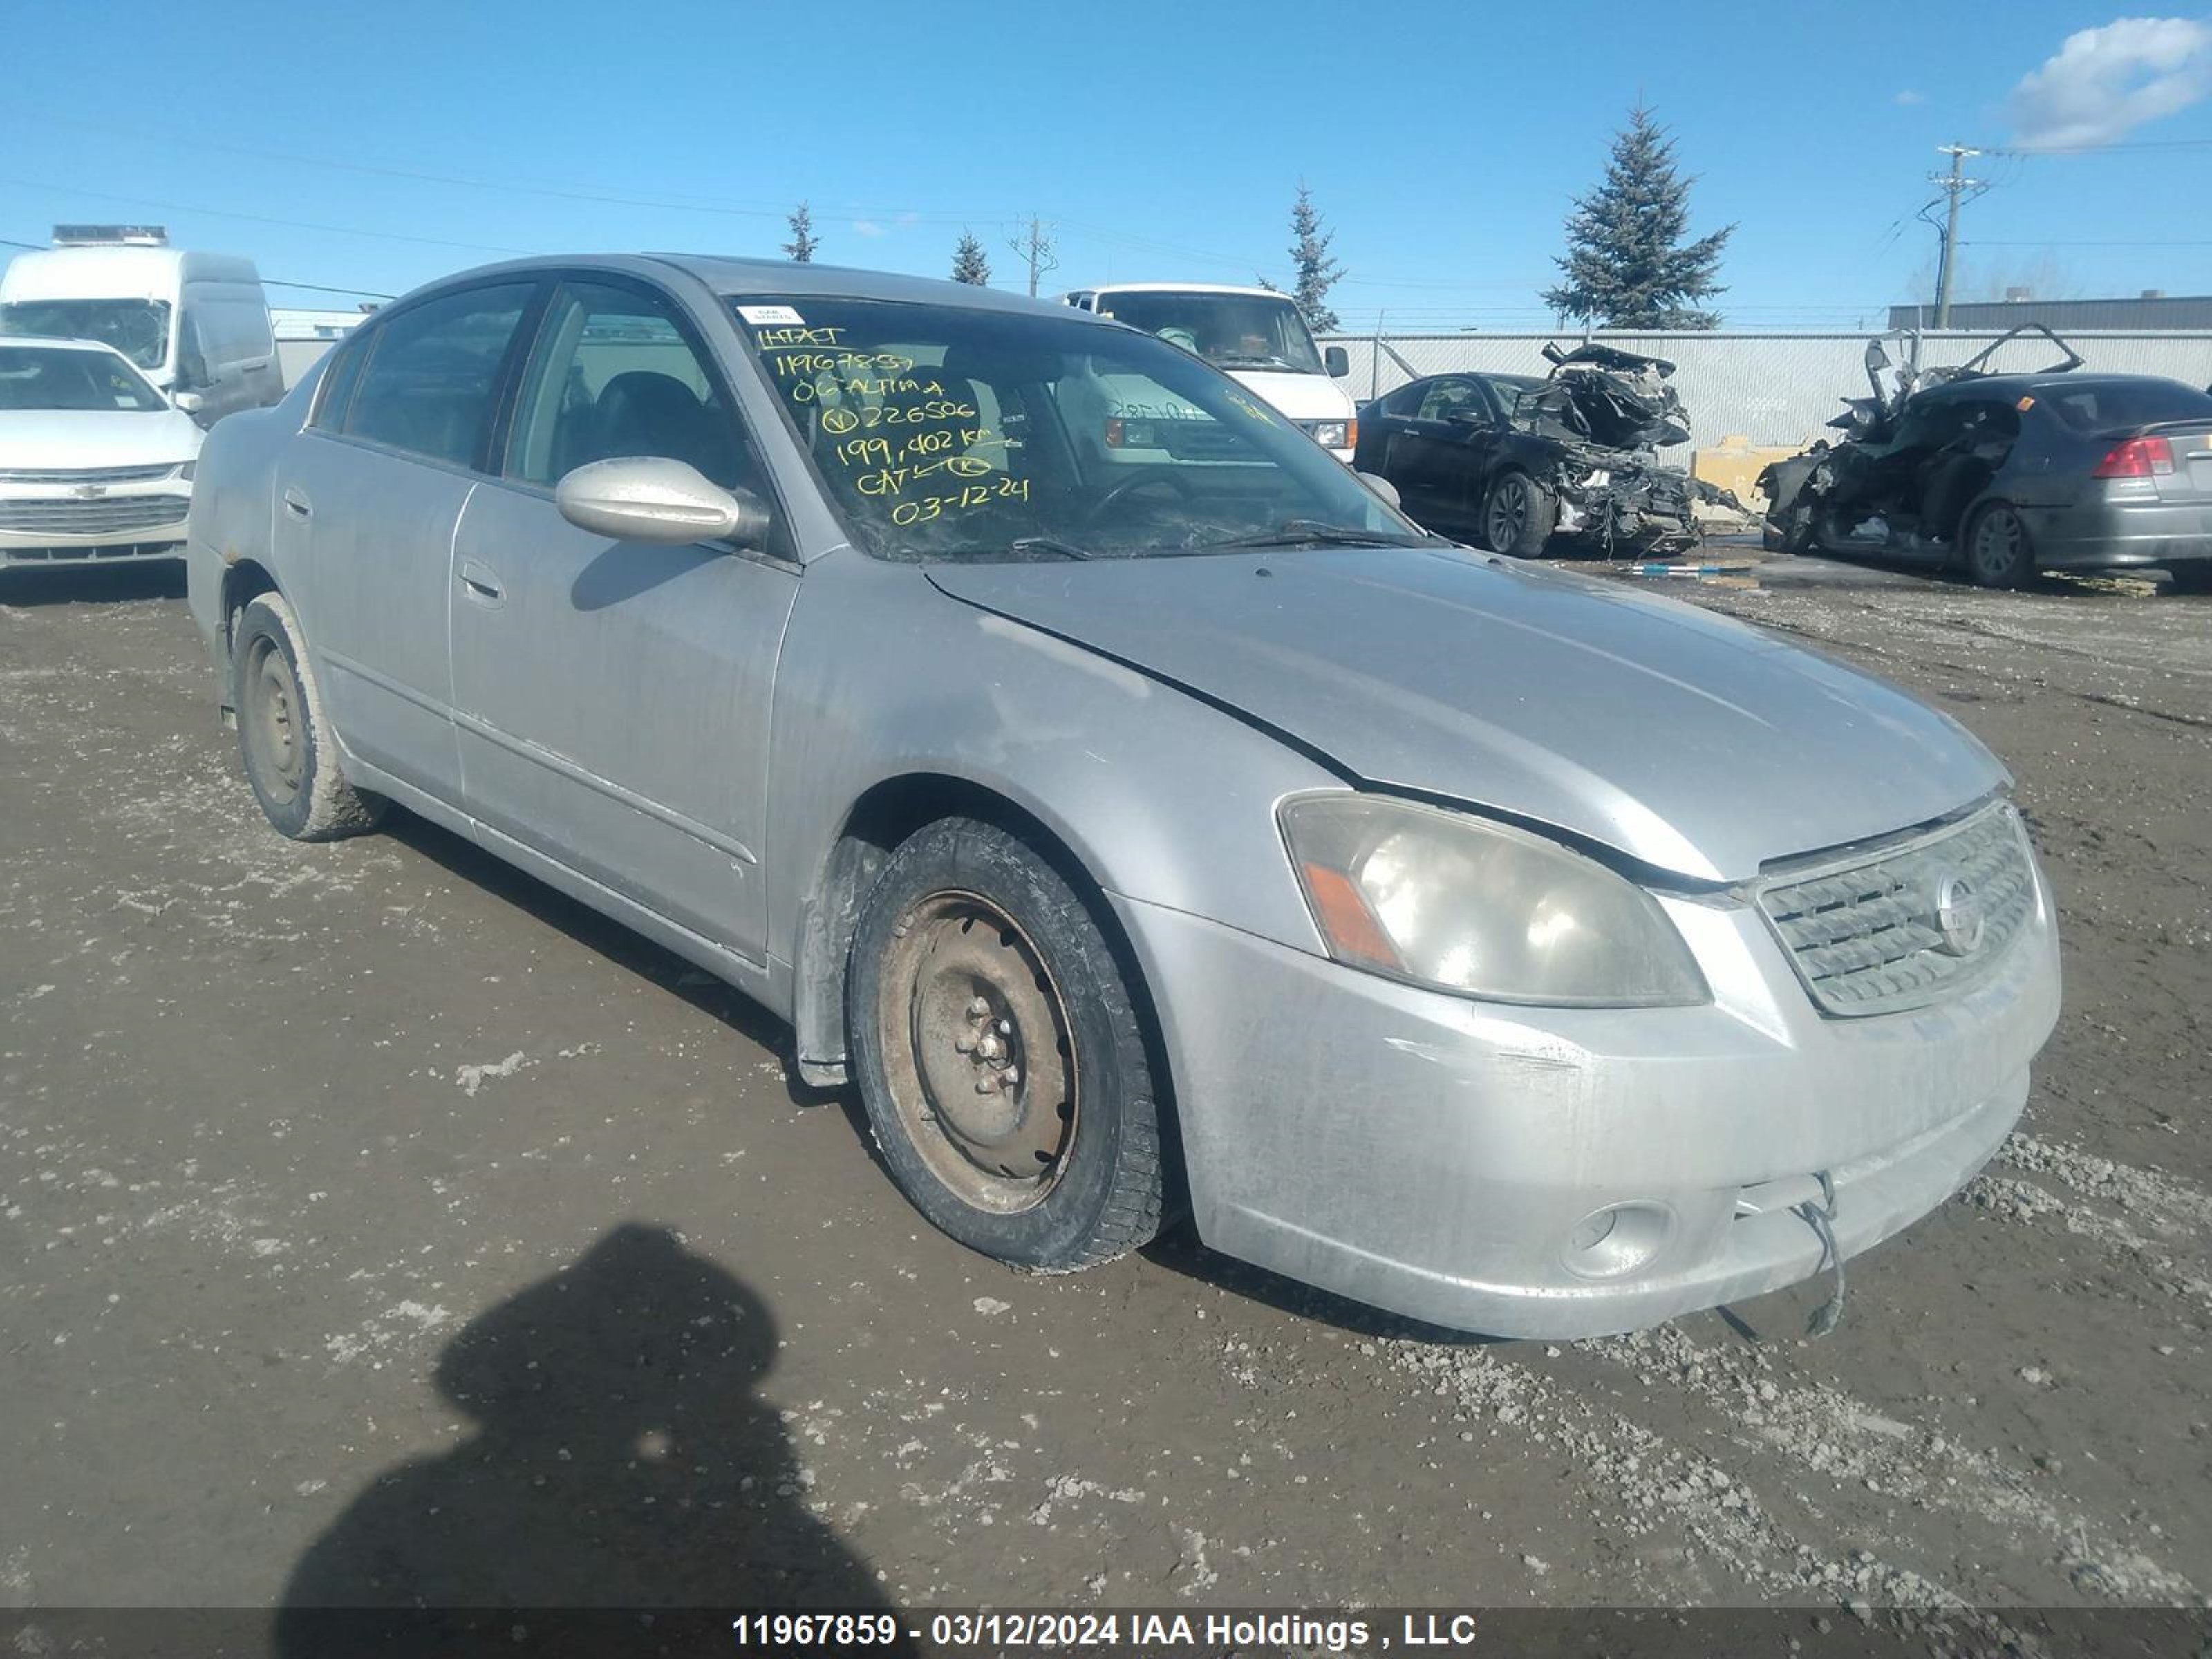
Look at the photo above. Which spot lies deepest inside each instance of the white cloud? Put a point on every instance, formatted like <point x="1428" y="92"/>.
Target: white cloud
<point x="869" y="227"/>
<point x="2105" y="82"/>
<point x="1909" y="96"/>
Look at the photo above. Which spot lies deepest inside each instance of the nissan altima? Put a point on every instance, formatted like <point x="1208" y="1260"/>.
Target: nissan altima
<point x="1506" y="950"/>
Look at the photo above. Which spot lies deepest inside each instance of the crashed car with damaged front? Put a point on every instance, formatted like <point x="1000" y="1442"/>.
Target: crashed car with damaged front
<point x="1464" y="936"/>
<point x="1996" y="474"/>
<point x="1510" y="461"/>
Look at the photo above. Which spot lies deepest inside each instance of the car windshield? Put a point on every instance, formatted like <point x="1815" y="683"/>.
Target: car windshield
<point x="1230" y="330"/>
<point x="2108" y="405"/>
<point x="950" y="432"/>
<point x="139" y="329"/>
<point x="55" y="377"/>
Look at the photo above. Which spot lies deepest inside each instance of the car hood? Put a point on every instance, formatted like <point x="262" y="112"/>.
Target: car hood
<point x="1301" y="396"/>
<point x="1685" y="741"/>
<point x="51" y="439"/>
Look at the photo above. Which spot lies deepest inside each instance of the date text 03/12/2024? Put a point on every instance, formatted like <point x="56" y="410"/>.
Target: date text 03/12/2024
<point x="1132" y="1630"/>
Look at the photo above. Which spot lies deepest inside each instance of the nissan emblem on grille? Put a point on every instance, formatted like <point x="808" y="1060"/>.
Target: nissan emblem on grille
<point x="1958" y="915"/>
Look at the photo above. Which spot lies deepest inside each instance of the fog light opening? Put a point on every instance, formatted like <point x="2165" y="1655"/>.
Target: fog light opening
<point x="1618" y="1239"/>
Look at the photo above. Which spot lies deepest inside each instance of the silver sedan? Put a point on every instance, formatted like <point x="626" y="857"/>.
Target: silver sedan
<point x="1125" y="798"/>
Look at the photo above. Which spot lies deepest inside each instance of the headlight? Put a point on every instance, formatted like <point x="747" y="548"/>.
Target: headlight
<point x="1336" y="435"/>
<point x="186" y="471"/>
<point x="1452" y="902"/>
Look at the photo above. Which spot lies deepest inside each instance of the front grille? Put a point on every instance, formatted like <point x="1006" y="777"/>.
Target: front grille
<point x="1868" y="938"/>
<point x="103" y="516"/>
<point x="73" y="474"/>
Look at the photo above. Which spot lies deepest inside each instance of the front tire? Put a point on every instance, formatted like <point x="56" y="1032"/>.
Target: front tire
<point x="1998" y="553"/>
<point x="1517" y="516"/>
<point x="998" y="1053"/>
<point x="291" y="756"/>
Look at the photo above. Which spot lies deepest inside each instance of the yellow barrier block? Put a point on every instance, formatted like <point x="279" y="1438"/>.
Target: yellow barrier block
<point x="1736" y="462"/>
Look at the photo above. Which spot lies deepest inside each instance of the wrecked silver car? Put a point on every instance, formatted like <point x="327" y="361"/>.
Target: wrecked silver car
<point x="1466" y="937"/>
<point x="1510" y="461"/>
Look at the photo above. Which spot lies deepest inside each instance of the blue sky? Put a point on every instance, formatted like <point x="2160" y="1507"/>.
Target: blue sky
<point x="1442" y="141"/>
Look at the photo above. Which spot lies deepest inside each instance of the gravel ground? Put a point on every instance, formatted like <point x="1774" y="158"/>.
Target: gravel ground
<point x="379" y="1223"/>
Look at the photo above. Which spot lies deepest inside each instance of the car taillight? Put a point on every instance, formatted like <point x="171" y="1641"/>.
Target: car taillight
<point x="2138" y="458"/>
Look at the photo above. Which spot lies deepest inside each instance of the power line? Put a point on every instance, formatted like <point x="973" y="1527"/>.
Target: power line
<point x="2095" y="149"/>
<point x="261" y="218"/>
<point x="2065" y="243"/>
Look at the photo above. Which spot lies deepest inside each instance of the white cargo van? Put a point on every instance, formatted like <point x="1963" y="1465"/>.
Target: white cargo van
<point x="1254" y="335"/>
<point x="196" y="324"/>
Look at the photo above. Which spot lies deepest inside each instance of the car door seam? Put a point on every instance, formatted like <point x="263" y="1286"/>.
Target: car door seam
<point x="453" y="664"/>
<point x="553" y="761"/>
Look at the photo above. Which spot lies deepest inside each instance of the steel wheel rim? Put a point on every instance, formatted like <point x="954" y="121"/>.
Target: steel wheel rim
<point x="1509" y="510"/>
<point x="273" y="714"/>
<point x="979" y="1052"/>
<point x="1998" y="542"/>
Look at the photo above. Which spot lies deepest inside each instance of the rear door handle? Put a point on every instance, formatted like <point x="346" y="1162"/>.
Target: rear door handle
<point x="480" y="582"/>
<point x="297" y="504"/>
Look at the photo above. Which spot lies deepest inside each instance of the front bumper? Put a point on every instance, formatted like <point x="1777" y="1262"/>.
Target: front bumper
<point x="53" y="524"/>
<point x="2117" y="533"/>
<point x="1435" y="1157"/>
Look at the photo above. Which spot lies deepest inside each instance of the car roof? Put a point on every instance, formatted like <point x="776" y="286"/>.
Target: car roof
<point x="781" y="278"/>
<point x="2021" y="385"/>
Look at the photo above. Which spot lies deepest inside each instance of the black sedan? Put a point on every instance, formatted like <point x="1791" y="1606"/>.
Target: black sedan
<point x="1506" y="461"/>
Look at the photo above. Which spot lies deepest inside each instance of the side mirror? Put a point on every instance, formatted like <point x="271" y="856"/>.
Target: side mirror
<point x="190" y="402"/>
<point x="1336" y="360"/>
<point x="651" y="498"/>
<point x="1466" y="415"/>
<point x="1381" y="487"/>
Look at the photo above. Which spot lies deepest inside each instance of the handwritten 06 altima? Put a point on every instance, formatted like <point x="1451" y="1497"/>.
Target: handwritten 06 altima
<point x="1125" y="798"/>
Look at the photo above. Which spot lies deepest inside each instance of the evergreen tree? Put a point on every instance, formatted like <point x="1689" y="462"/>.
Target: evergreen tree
<point x="968" y="264"/>
<point x="1317" y="271"/>
<point x="801" y="248"/>
<point x="1627" y="265"/>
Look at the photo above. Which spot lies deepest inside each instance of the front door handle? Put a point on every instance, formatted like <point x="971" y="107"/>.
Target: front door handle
<point x="296" y="502"/>
<point x="480" y="582"/>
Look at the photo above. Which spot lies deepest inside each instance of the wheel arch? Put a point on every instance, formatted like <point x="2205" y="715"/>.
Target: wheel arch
<point x="244" y="580"/>
<point x="884" y="814"/>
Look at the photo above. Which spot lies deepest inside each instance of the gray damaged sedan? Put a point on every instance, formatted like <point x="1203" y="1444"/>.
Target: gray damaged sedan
<point x="1130" y="802"/>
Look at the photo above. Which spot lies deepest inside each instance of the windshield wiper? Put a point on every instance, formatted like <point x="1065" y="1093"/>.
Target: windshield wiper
<point x="1312" y="532"/>
<point x="1234" y="359"/>
<point x="1048" y="544"/>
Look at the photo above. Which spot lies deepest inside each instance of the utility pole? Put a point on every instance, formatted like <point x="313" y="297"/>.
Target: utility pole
<point x="1034" y="248"/>
<point x="1956" y="186"/>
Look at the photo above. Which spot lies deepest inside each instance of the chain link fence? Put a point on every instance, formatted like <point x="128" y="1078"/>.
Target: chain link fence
<point x="1768" y="388"/>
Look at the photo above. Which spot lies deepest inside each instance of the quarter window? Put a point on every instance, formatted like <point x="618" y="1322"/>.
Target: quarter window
<point x="615" y="375"/>
<point x="432" y="370"/>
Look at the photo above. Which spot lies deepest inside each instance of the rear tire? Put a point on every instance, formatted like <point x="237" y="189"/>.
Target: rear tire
<point x="1997" y="550"/>
<point x="998" y="1053"/>
<point x="1518" y="515"/>
<point x="291" y="755"/>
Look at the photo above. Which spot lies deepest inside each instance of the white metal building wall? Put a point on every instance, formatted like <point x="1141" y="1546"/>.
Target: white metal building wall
<point x="1769" y="388"/>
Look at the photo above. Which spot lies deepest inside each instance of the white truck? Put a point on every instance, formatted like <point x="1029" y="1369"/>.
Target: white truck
<point x="194" y="324"/>
<point x="1255" y="335"/>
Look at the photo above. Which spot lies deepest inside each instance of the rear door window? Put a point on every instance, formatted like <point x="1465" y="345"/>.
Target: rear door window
<point x="431" y="374"/>
<point x="1450" y="395"/>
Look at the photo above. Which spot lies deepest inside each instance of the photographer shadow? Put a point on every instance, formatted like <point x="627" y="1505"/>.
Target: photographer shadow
<point x="624" y="1479"/>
